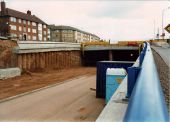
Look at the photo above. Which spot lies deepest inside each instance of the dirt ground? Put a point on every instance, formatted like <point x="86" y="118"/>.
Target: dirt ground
<point x="7" y="58"/>
<point x="29" y="81"/>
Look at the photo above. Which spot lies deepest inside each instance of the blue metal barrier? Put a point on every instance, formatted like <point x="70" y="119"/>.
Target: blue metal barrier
<point x="132" y="76"/>
<point x="142" y="54"/>
<point x="147" y="103"/>
<point x="134" y="71"/>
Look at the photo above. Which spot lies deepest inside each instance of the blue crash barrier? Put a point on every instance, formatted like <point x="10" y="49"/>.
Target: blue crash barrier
<point x="142" y="54"/>
<point x="147" y="103"/>
<point x="134" y="71"/>
<point x="132" y="76"/>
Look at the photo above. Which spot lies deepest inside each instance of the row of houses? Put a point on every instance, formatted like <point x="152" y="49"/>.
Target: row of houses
<point x="70" y="34"/>
<point x="25" y="26"/>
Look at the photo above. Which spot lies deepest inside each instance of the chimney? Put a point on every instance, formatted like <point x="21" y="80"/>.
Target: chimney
<point x="3" y="7"/>
<point x="29" y="12"/>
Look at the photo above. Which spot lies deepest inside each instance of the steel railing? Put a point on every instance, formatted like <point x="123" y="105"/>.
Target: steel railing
<point x="147" y="103"/>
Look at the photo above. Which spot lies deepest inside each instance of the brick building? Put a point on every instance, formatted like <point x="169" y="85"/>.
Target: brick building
<point x="23" y="26"/>
<point x="70" y="34"/>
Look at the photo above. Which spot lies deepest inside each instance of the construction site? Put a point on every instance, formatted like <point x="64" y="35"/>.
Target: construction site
<point x="44" y="65"/>
<point x="60" y="76"/>
<point x="84" y="61"/>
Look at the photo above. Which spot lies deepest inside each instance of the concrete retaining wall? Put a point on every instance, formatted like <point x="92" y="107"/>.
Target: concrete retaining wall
<point x="34" y="55"/>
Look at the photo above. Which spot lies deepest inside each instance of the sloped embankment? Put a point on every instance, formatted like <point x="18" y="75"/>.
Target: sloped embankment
<point x="7" y="58"/>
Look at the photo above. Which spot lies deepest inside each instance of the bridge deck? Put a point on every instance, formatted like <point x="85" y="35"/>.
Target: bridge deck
<point x="109" y="47"/>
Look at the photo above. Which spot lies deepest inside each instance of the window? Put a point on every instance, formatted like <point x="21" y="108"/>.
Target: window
<point x="19" y="20"/>
<point x="13" y="27"/>
<point x="45" y="39"/>
<point x="40" y="25"/>
<point x="34" y="38"/>
<point x="20" y="28"/>
<point x="65" y="31"/>
<point x="56" y="30"/>
<point x="13" y="19"/>
<point x="13" y="35"/>
<point x="40" y="36"/>
<point x="29" y="37"/>
<point x="48" y="31"/>
<point x="69" y="30"/>
<point x="28" y="22"/>
<point x="24" y="29"/>
<point x="44" y="26"/>
<point x="24" y="21"/>
<point x="45" y="33"/>
<point x="29" y="30"/>
<point x="20" y="36"/>
<point x="34" y="30"/>
<point x="33" y="24"/>
<point x="40" y="31"/>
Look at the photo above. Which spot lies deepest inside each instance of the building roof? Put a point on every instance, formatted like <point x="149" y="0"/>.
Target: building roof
<point x="167" y="28"/>
<point x="63" y="27"/>
<point x="21" y="15"/>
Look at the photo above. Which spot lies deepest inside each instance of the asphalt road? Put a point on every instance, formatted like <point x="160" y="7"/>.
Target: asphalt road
<point x="164" y="52"/>
<point x="70" y="101"/>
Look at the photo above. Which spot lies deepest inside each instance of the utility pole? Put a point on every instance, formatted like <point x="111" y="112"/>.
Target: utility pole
<point x="157" y="36"/>
<point x="154" y="31"/>
<point x="163" y="11"/>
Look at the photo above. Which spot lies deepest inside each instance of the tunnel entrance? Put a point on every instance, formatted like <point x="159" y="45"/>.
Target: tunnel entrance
<point x="125" y="55"/>
<point x="90" y="58"/>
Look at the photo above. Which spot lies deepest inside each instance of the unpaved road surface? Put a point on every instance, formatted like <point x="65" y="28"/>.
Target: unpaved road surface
<point x="34" y="80"/>
<point x="67" y="102"/>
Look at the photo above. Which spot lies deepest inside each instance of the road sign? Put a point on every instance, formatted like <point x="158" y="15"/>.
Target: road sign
<point x="168" y="28"/>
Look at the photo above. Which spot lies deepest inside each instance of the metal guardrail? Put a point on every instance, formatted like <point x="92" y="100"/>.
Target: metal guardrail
<point x="147" y="103"/>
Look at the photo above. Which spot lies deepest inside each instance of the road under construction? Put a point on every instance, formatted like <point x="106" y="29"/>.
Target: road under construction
<point x="67" y="99"/>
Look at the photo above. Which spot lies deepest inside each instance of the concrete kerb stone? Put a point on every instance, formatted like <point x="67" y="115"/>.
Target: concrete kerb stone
<point x="9" y="73"/>
<point x="37" y="90"/>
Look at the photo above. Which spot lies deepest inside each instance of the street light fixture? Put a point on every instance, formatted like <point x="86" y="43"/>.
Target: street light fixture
<point x="163" y="33"/>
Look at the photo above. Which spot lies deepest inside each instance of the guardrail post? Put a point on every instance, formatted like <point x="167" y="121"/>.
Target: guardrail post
<point x="132" y="76"/>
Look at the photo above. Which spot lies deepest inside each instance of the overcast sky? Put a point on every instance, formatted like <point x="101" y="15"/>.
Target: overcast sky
<point x="114" y="20"/>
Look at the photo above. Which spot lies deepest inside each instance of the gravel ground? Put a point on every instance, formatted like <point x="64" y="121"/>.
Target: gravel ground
<point x="163" y="71"/>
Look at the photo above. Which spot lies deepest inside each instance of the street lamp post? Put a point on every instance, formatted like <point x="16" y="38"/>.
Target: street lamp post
<point x="163" y="33"/>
